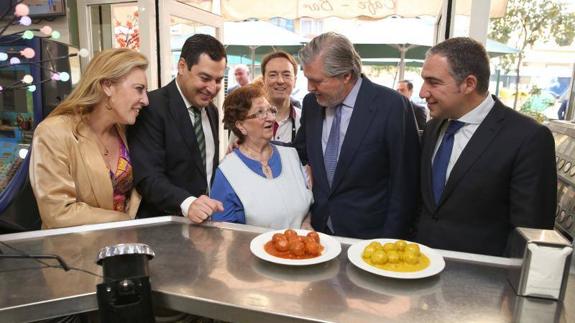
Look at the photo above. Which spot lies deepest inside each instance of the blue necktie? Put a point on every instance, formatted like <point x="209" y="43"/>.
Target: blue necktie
<point x="332" y="146"/>
<point x="442" y="157"/>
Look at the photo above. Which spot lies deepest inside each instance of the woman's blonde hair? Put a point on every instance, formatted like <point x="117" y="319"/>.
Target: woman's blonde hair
<point x="110" y="65"/>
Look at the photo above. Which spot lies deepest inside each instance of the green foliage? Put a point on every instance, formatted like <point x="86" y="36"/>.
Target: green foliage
<point x="539" y="117"/>
<point x="527" y="22"/>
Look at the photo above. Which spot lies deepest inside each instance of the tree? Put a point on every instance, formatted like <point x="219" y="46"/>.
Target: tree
<point x="527" y="22"/>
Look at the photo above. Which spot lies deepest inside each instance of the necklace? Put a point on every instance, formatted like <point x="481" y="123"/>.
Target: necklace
<point x="103" y="148"/>
<point x="106" y="151"/>
<point x="266" y="169"/>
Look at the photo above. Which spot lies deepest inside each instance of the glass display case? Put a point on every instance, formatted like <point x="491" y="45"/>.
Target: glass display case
<point x="22" y="107"/>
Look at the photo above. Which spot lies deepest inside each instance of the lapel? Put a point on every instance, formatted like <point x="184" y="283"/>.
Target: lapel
<point x="480" y="140"/>
<point x="182" y="122"/>
<point x="430" y="141"/>
<point x="212" y="112"/>
<point x="98" y="176"/>
<point x="360" y="121"/>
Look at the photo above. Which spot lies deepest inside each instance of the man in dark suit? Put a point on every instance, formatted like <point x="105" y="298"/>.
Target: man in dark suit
<point x="405" y="88"/>
<point x="361" y="143"/>
<point x="486" y="168"/>
<point x="174" y="144"/>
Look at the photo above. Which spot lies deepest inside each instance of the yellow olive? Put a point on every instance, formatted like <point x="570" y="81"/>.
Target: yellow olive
<point x="400" y="245"/>
<point x="379" y="258"/>
<point x="393" y="257"/>
<point x="412" y="247"/>
<point x="411" y="258"/>
<point x="368" y="252"/>
<point x="376" y="245"/>
<point x="389" y="246"/>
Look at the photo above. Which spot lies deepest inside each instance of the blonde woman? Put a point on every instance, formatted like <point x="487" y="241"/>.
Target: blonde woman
<point x="80" y="169"/>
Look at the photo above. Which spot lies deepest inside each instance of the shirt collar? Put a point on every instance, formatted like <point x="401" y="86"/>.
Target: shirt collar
<point x="478" y="114"/>
<point x="186" y="102"/>
<point x="350" y="99"/>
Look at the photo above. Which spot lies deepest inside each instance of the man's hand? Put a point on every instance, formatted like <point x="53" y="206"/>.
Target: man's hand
<point x="202" y="208"/>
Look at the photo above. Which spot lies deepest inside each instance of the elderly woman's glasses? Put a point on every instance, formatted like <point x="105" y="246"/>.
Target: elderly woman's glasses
<point x="262" y="114"/>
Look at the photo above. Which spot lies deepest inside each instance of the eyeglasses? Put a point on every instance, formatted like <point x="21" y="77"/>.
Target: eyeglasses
<point x="262" y="114"/>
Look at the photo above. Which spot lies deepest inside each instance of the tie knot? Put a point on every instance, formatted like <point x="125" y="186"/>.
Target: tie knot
<point x="196" y="111"/>
<point x="453" y="127"/>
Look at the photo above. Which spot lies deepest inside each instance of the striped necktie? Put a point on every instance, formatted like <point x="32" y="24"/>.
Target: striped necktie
<point x="199" y="131"/>
<point x="332" y="147"/>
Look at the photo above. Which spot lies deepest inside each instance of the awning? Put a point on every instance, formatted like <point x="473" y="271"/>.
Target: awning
<point x="253" y="39"/>
<point x="237" y="10"/>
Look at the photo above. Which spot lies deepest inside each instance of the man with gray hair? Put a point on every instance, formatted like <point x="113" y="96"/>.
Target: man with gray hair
<point x="242" y="76"/>
<point x="361" y="142"/>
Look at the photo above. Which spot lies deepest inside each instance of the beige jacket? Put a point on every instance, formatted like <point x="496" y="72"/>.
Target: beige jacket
<point x="69" y="177"/>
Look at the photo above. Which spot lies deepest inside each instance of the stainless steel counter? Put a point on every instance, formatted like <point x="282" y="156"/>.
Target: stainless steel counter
<point x="208" y="270"/>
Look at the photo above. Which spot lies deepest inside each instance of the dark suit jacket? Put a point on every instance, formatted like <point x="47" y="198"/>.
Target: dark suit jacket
<point x="167" y="164"/>
<point x="504" y="178"/>
<point x="420" y="115"/>
<point x="375" y="185"/>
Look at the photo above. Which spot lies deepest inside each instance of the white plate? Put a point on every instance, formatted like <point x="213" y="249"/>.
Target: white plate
<point x="332" y="248"/>
<point x="436" y="262"/>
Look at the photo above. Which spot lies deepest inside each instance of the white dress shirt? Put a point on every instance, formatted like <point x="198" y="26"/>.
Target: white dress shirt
<point x="210" y="148"/>
<point x="285" y="126"/>
<point x="472" y="120"/>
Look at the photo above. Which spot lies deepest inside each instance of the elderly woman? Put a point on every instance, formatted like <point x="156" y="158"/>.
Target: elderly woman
<point x="80" y="167"/>
<point x="259" y="183"/>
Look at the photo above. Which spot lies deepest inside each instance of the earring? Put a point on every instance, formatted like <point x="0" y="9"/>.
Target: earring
<point x="108" y="106"/>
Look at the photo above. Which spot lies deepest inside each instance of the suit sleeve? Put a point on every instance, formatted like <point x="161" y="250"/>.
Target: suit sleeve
<point x="533" y="187"/>
<point x="148" y="153"/>
<point x="404" y="153"/>
<point x="55" y="188"/>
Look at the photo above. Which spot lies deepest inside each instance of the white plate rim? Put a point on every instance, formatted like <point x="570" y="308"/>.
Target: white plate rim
<point x="436" y="261"/>
<point x="332" y="248"/>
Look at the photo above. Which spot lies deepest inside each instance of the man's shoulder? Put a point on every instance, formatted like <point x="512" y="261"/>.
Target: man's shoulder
<point x="309" y="99"/>
<point x="162" y="93"/>
<point x="518" y="120"/>
<point x="417" y="106"/>
<point x="160" y="99"/>
<point x="381" y="93"/>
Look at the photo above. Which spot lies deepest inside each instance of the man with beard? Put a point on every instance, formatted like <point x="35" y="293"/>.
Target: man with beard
<point x="174" y="144"/>
<point x="361" y="142"/>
